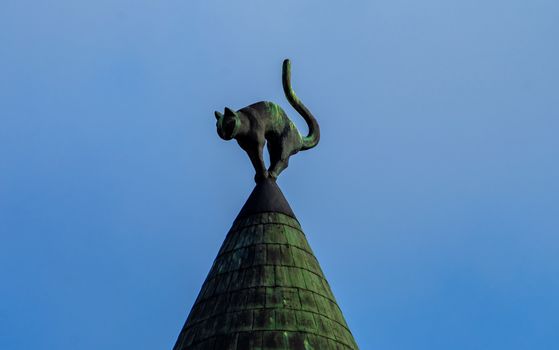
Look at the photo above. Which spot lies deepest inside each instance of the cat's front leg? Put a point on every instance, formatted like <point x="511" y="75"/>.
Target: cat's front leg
<point x="256" y="157"/>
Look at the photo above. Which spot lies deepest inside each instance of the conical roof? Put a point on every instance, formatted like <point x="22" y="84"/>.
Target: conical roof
<point x="266" y="289"/>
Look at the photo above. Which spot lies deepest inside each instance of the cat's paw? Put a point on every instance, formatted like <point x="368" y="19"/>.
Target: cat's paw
<point x="261" y="177"/>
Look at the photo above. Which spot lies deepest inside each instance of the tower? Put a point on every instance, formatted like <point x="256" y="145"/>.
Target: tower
<point x="266" y="289"/>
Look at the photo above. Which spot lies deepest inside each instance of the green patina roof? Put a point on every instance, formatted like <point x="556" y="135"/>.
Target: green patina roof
<point x="266" y="289"/>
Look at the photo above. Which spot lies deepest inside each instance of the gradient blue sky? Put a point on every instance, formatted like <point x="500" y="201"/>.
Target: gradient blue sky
<point x="432" y="201"/>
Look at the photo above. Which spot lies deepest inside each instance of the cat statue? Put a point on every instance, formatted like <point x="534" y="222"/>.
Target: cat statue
<point x="266" y="123"/>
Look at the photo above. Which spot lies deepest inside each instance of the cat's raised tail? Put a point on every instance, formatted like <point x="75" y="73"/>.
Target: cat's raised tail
<point x="313" y="137"/>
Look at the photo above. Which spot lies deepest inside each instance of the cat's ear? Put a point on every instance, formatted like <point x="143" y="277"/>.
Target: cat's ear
<point x="218" y="115"/>
<point x="229" y="111"/>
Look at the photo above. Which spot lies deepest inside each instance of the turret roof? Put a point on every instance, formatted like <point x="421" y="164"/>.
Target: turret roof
<point x="266" y="289"/>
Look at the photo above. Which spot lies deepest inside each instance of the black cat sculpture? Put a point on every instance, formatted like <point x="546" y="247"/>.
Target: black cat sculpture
<point x="266" y="123"/>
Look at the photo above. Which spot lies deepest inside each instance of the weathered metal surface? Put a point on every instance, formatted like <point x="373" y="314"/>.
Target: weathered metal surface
<point x="266" y="123"/>
<point x="266" y="198"/>
<point x="266" y="289"/>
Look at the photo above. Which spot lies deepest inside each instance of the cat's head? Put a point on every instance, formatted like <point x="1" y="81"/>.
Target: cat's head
<point x="227" y="124"/>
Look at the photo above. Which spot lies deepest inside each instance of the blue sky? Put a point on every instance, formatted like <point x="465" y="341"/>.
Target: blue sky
<point x="432" y="202"/>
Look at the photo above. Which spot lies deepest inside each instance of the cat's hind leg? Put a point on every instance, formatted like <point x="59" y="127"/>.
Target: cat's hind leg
<point x="276" y="163"/>
<point x="288" y="145"/>
<point x="277" y="167"/>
